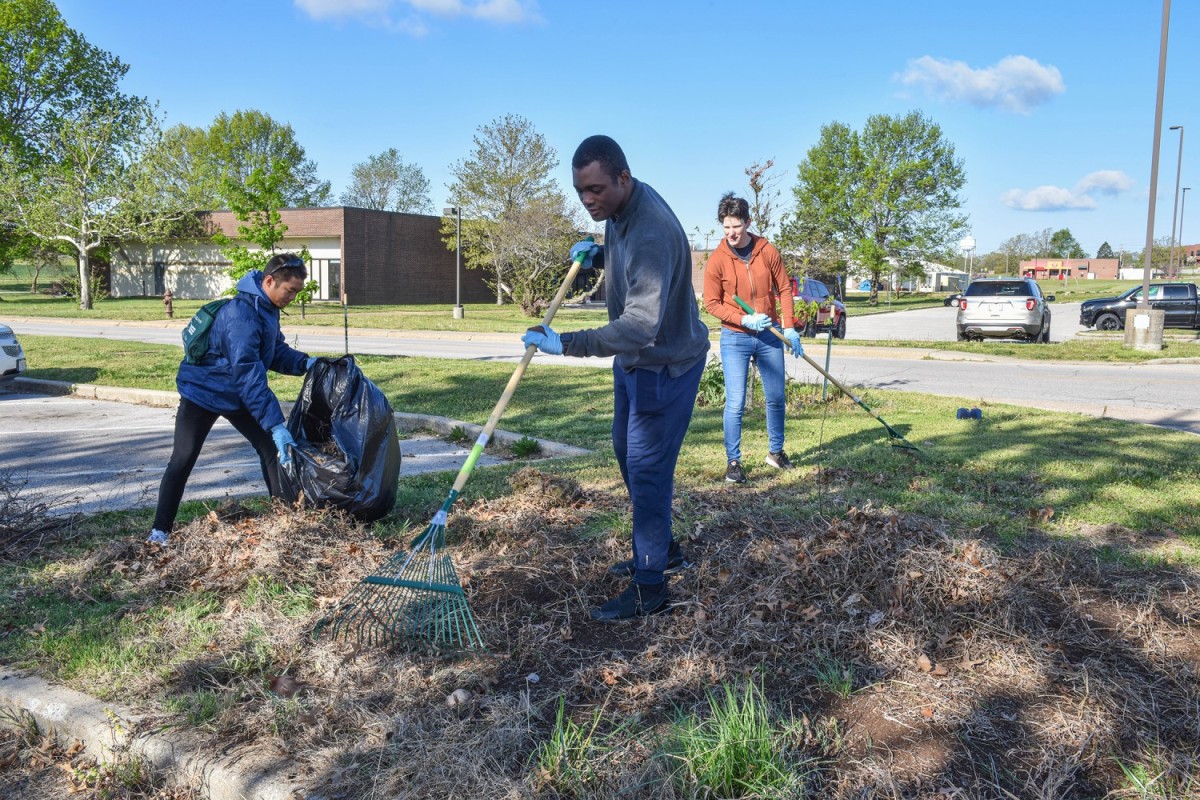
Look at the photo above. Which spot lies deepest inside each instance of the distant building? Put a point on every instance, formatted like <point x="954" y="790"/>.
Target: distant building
<point x="372" y="257"/>
<point x="1074" y="268"/>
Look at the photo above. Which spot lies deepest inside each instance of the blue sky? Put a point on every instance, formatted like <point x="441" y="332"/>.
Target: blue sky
<point x="1049" y="104"/>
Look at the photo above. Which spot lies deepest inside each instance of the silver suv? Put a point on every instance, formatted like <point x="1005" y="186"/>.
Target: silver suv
<point x="1004" y="308"/>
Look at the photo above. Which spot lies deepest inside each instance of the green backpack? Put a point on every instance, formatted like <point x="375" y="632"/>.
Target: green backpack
<point x="195" y="335"/>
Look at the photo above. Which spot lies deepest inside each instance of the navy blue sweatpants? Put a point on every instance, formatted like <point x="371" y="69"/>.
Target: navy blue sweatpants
<point x="651" y="412"/>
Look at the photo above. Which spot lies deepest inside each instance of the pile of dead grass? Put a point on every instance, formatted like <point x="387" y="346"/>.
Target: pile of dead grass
<point x="914" y="662"/>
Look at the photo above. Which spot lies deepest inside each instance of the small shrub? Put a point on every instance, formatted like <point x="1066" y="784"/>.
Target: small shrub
<point x="712" y="386"/>
<point x="526" y="447"/>
<point x="457" y="434"/>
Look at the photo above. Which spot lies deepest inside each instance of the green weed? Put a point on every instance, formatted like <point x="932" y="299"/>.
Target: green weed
<point x="568" y="759"/>
<point x="738" y="750"/>
<point x="835" y="677"/>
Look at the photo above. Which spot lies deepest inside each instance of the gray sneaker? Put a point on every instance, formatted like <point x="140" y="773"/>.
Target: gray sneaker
<point x="734" y="472"/>
<point x="778" y="460"/>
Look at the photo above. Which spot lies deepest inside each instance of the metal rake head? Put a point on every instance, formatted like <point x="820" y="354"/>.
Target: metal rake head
<point x="413" y="600"/>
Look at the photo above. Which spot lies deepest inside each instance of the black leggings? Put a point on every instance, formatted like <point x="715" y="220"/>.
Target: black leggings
<point x="192" y="424"/>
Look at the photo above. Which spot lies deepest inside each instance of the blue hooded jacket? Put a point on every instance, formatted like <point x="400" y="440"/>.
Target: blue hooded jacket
<point x="243" y="343"/>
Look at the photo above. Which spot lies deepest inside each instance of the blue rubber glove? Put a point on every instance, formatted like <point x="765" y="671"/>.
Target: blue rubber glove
<point x="756" y="322"/>
<point x="308" y="365"/>
<point x="544" y="339"/>
<point x="586" y="246"/>
<point x="793" y="337"/>
<point x="283" y="440"/>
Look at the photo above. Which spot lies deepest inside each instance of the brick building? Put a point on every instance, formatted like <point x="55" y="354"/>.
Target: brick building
<point x="373" y="257"/>
<point x="1059" y="268"/>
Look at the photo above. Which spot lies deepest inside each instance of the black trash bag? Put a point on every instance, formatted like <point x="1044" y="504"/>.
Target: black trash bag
<point x="347" y="452"/>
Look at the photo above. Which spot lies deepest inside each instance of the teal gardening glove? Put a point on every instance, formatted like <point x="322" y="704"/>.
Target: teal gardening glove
<point x="283" y="440"/>
<point x="589" y="248"/>
<point x="793" y="337"/>
<point x="544" y="339"/>
<point x="756" y="322"/>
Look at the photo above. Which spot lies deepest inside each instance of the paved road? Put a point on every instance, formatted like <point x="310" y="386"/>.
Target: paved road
<point x="937" y="325"/>
<point x="1159" y="394"/>
<point x="80" y="455"/>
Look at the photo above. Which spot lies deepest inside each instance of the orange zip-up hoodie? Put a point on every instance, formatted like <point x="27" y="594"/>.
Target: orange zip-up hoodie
<point x="761" y="283"/>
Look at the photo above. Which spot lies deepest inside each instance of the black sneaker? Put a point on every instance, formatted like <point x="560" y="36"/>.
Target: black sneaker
<point x="676" y="562"/>
<point x="734" y="472"/>
<point x="779" y="460"/>
<point x="636" y="601"/>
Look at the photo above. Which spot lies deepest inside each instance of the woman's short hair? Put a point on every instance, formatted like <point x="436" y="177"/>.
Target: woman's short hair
<point x="286" y="267"/>
<point x="733" y="206"/>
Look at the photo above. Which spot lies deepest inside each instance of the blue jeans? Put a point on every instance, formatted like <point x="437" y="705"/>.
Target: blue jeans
<point x="651" y="412"/>
<point x="736" y="350"/>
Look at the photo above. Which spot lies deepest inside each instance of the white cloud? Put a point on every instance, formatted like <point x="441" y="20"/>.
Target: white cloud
<point x="1046" y="198"/>
<point x="1014" y="83"/>
<point x="1106" y="181"/>
<point x="505" y="12"/>
<point x="329" y="9"/>
<point x="1056" y="198"/>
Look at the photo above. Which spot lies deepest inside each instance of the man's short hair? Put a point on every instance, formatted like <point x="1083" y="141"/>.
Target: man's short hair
<point x="286" y="267"/>
<point x="604" y="150"/>
<point x="733" y="206"/>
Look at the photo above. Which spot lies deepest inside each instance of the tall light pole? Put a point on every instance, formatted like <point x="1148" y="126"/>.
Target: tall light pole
<point x="457" y="212"/>
<point x="1182" y="205"/>
<point x="1148" y="254"/>
<point x="1174" y="217"/>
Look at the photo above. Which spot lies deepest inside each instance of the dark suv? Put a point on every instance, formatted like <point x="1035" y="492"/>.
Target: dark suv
<point x="1004" y="308"/>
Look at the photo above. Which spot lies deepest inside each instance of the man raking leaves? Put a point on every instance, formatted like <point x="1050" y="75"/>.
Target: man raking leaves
<point x="659" y="343"/>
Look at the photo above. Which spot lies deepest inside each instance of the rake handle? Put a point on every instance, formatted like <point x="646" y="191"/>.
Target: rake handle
<point x="480" y="443"/>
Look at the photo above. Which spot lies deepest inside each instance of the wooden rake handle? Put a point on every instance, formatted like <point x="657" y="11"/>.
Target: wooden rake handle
<point x="498" y="411"/>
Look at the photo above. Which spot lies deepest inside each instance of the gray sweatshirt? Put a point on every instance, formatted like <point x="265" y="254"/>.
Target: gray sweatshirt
<point x="654" y="322"/>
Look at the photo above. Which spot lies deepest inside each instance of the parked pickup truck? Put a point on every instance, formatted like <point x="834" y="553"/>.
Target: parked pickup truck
<point x="1177" y="300"/>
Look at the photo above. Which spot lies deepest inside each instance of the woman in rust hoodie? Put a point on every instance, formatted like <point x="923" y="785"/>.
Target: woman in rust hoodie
<point x="750" y="267"/>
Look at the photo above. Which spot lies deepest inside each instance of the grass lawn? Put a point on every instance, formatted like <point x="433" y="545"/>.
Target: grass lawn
<point x="1014" y="608"/>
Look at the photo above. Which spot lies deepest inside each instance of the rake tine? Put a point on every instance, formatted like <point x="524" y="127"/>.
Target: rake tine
<point x="893" y="434"/>
<point x="421" y="601"/>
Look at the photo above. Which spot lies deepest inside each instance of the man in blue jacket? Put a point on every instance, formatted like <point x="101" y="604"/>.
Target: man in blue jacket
<point x="660" y="345"/>
<point x="231" y="382"/>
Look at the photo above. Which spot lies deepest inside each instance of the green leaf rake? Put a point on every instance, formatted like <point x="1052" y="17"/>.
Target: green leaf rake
<point x="895" y="439"/>
<point x="415" y="598"/>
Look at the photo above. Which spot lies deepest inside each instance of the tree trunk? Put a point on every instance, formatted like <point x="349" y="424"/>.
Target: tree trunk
<point x="85" y="280"/>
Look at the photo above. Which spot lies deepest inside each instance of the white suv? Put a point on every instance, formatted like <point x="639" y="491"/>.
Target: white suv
<point x="1004" y="308"/>
<point x="12" y="357"/>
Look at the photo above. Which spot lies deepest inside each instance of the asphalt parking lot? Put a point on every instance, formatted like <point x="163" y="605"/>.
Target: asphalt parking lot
<point x="80" y="455"/>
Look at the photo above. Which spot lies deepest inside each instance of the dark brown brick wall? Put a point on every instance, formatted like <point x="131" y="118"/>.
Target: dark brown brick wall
<point x="387" y="257"/>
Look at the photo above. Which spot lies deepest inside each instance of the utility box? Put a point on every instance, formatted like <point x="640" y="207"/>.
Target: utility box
<point x="1144" y="328"/>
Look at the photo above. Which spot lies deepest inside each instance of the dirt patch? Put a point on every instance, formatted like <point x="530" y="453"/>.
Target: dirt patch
<point x="914" y="662"/>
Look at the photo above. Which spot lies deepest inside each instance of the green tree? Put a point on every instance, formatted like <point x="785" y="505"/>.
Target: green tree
<point x="256" y="203"/>
<point x="200" y="163"/>
<point x="1063" y="245"/>
<point x="508" y="200"/>
<point x="385" y="183"/>
<point x="1105" y="251"/>
<point x="91" y="186"/>
<point x="887" y="195"/>
<point x="48" y="73"/>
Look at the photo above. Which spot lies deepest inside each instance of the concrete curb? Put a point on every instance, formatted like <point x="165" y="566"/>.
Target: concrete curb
<point x="107" y="729"/>
<point x="404" y="421"/>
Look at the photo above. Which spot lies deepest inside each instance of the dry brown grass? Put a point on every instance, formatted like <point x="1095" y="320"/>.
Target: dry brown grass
<point x="976" y="673"/>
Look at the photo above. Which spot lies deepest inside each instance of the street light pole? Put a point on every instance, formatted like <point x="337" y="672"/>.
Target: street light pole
<point x="1182" y="205"/>
<point x="1144" y="303"/>
<point x="457" y="212"/>
<point x="1174" y="217"/>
